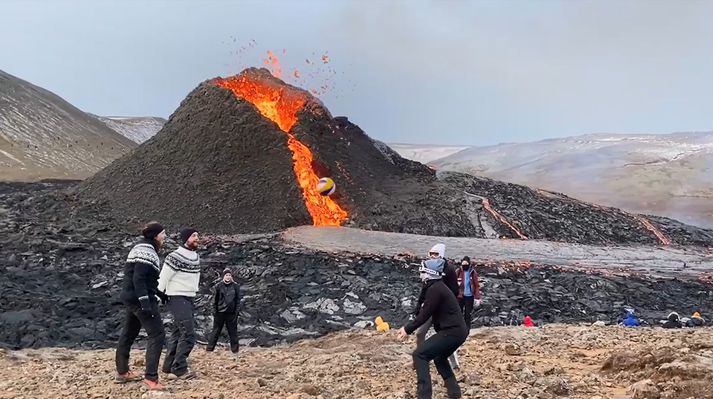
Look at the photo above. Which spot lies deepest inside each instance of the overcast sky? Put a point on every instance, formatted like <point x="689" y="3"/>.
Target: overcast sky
<point x="413" y="72"/>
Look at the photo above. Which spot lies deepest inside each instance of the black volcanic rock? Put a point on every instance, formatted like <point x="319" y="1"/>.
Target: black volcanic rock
<point x="552" y="216"/>
<point x="221" y="166"/>
<point x="217" y="165"/>
<point x="61" y="278"/>
<point x="683" y="234"/>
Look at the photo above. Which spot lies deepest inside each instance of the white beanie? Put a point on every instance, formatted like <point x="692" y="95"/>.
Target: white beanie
<point x="440" y="249"/>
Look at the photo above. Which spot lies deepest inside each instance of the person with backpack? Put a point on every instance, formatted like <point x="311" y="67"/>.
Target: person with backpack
<point x="226" y="297"/>
<point x="140" y="296"/>
<point x="440" y="306"/>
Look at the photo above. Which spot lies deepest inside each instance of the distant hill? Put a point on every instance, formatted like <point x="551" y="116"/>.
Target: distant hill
<point x="661" y="174"/>
<point x="425" y="153"/>
<point x="43" y="136"/>
<point x="136" y="129"/>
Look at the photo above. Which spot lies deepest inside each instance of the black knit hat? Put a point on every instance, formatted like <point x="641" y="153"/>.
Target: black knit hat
<point x="227" y="271"/>
<point x="465" y="259"/>
<point x="152" y="230"/>
<point x="186" y="234"/>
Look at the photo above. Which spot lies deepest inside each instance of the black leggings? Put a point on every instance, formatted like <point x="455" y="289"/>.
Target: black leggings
<point x="437" y="348"/>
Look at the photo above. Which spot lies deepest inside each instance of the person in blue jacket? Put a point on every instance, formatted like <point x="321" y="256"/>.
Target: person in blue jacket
<point x="631" y="320"/>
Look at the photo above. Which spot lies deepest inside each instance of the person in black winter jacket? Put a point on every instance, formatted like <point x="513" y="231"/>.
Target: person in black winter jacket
<point x="441" y="306"/>
<point x="140" y="295"/>
<point x="226" y="299"/>
<point x="450" y="278"/>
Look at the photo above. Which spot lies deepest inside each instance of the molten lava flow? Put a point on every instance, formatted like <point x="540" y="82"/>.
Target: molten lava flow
<point x="272" y="101"/>
<point x="501" y="218"/>
<point x="281" y="106"/>
<point x="650" y="227"/>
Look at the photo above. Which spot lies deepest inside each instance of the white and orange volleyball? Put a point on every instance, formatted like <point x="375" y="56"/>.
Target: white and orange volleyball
<point x="326" y="186"/>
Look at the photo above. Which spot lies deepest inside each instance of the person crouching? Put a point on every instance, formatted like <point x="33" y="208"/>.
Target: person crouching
<point x="441" y="306"/>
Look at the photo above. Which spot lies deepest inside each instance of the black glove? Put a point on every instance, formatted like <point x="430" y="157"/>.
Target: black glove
<point x="163" y="297"/>
<point x="146" y="309"/>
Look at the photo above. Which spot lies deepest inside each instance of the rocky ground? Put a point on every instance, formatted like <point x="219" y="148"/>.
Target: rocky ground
<point x="506" y="362"/>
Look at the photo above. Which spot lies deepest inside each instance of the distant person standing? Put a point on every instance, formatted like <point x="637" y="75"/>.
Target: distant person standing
<point x="139" y="295"/>
<point x="468" y="290"/>
<point x="226" y="297"/>
<point x="179" y="279"/>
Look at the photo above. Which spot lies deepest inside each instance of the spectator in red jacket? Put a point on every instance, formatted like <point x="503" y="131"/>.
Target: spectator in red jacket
<point x="468" y="289"/>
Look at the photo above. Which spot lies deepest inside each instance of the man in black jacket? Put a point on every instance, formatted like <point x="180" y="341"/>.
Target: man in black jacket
<point x="140" y="296"/>
<point x="226" y="299"/>
<point x="441" y="306"/>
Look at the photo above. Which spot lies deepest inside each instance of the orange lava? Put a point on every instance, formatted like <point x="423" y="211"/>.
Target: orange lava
<point x="281" y="106"/>
<point x="501" y="218"/>
<point x="274" y="63"/>
<point x="660" y="236"/>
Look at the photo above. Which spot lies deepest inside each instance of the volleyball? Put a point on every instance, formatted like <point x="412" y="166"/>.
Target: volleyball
<point x="326" y="186"/>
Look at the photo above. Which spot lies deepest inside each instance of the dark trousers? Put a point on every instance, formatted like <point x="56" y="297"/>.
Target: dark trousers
<point x="466" y="306"/>
<point x="152" y="323"/>
<point x="421" y="333"/>
<point x="183" y="335"/>
<point x="437" y="348"/>
<point x="230" y="320"/>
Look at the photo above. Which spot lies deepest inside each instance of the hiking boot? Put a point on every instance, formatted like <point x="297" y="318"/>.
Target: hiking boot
<point x="424" y="391"/>
<point x="186" y="375"/>
<point x="153" y="385"/>
<point x="127" y="377"/>
<point x="452" y="388"/>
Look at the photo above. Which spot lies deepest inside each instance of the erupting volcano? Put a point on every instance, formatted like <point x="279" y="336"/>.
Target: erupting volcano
<point x="281" y="105"/>
<point x="243" y="154"/>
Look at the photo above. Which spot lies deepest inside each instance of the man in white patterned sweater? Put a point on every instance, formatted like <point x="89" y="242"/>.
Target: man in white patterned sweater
<point x="179" y="280"/>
